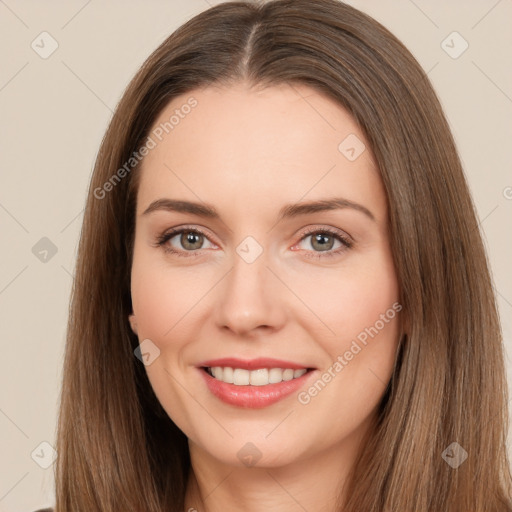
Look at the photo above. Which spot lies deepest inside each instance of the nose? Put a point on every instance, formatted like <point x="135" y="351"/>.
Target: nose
<point x="250" y="299"/>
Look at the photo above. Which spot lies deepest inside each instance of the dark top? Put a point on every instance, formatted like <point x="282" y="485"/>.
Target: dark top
<point x="44" y="510"/>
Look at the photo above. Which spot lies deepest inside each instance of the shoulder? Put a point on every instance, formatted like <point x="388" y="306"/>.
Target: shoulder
<point x="44" y="510"/>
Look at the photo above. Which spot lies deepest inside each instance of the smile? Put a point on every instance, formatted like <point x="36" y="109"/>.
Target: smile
<point x="255" y="383"/>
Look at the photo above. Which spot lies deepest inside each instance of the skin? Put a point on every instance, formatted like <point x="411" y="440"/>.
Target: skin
<point x="248" y="152"/>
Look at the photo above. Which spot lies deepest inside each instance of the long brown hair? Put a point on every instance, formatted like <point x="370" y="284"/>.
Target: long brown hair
<point x="117" y="448"/>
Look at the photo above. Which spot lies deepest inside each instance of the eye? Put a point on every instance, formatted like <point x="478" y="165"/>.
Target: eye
<point x="189" y="240"/>
<point x="322" y="240"/>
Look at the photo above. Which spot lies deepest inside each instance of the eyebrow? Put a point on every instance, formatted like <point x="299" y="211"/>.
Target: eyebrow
<point x="286" y="212"/>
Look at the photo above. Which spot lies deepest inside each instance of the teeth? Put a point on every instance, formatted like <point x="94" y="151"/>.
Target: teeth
<point x="227" y="375"/>
<point x="287" y="374"/>
<point x="260" y="377"/>
<point x="275" y="375"/>
<point x="240" y="377"/>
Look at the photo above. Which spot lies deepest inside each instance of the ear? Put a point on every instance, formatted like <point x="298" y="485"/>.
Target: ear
<point x="133" y="323"/>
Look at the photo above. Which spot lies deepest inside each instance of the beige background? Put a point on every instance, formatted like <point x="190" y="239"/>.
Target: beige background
<point x="54" y="111"/>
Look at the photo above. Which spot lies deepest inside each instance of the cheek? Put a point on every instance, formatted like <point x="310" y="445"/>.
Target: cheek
<point x="351" y="300"/>
<point x="161" y="299"/>
<point x="161" y="296"/>
<point x="361" y="308"/>
<point x="358" y="330"/>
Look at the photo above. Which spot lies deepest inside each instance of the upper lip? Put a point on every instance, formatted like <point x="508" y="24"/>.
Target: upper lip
<point x="252" y="364"/>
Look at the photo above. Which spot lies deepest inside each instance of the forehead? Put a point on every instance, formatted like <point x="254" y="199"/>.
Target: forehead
<point x="253" y="147"/>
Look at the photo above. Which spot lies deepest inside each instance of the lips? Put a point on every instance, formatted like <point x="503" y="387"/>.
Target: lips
<point x="253" y="396"/>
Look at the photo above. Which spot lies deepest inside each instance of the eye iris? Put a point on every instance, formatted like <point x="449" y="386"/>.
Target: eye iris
<point x="189" y="237"/>
<point x="322" y="238"/>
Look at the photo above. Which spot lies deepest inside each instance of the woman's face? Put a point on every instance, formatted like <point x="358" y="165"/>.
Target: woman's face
<point x="259" y="274"/>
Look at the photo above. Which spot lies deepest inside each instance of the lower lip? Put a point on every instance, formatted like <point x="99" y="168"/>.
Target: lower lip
<point x="253" y="397"/>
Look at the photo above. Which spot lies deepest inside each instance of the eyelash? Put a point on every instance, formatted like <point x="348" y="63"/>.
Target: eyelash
<point x="165" y="237"/>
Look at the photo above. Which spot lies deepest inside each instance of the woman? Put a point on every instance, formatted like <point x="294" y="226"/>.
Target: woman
<point x="282" y="299"/>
